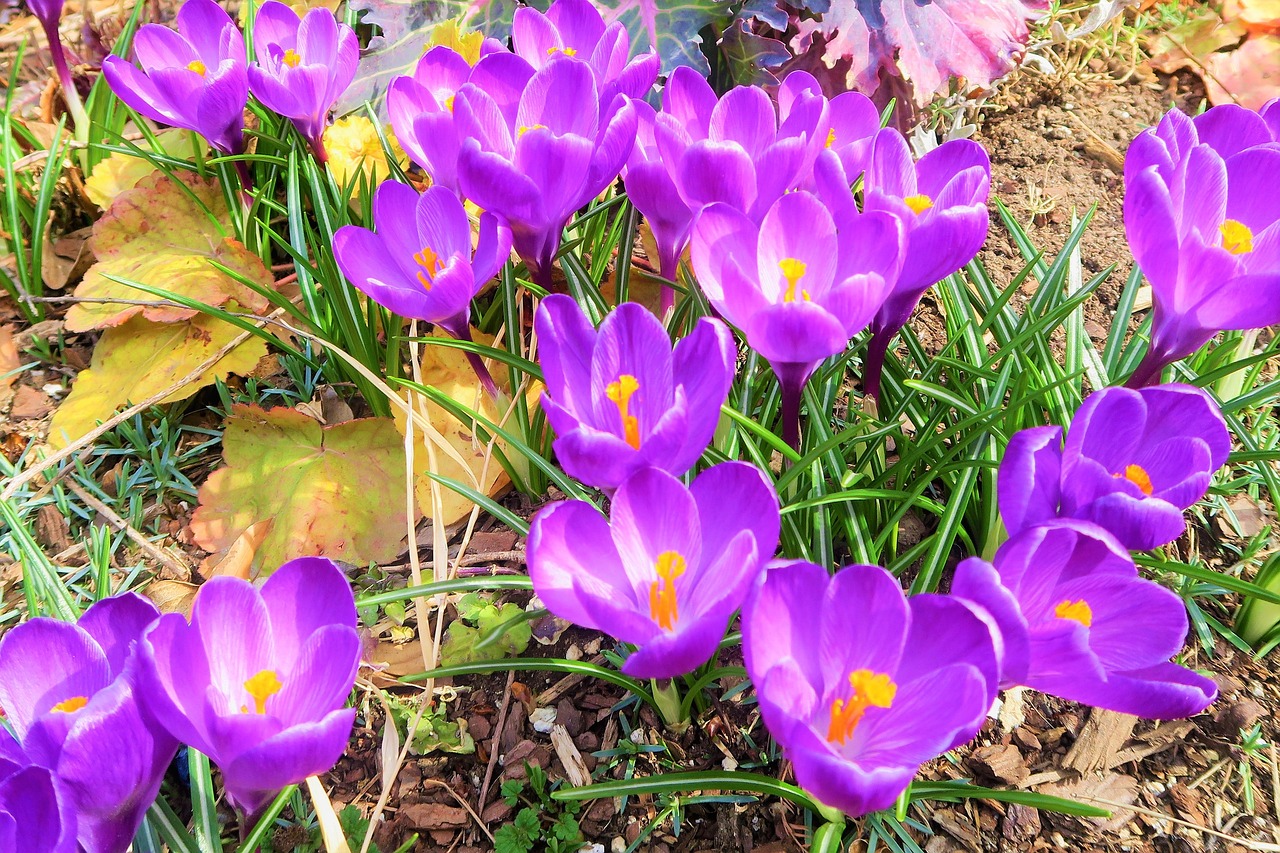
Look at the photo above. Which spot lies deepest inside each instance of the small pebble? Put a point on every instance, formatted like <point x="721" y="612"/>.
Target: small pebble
<point x="543" y="719"/>
<point x="573" y="652"/>
<point x="618" y="845"/>
<point x="729" y="764"/>
<point x="1060" y="132"/>
<point x="592" y="848"/>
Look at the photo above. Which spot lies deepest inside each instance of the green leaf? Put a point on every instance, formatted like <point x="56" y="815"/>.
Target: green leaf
<point x="509" y="839"/>
<point x="671" y="25"/>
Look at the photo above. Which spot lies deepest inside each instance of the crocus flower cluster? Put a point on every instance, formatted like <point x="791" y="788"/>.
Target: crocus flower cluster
<point x="98" y="708"/>
<point x="1203" y="223"/>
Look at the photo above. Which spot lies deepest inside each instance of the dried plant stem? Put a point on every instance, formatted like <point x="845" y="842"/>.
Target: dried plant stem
<point x="158" y="554"/>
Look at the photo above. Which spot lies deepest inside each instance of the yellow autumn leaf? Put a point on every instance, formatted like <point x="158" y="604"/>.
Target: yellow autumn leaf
<point x="336" y="491"/>
<point x="159" y="235"/>
<point x="447" y="369"/>
<point x="140" y="358"/>
<point x="353" y="146"/>
<point x="462" y="40"/>
<point x="122" y="170"/>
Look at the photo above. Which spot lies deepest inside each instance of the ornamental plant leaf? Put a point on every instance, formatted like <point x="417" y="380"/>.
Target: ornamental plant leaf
<point x="336" y="492"/>
<point x="138" y="359"/>
<point x="672" y="26"/>
<point x="923" y="43"/>
<point x="166" y="235"/>
<point x="122" y="170"/>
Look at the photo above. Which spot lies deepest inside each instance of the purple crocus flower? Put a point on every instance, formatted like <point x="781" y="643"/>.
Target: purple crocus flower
<point x="258" y="678"/>
<point x="36" y="813"/>
<point x="800" y="284"/>
<point x="620" y="399"/>
<point x="49" y="13"/>
<point x="575" y="28"/>
<point x="1203" y="223"/>
<point x="942" y="203"/>
<point x="420" y="263"/>
<point x="670" y="568"/>
<point x="562" y="147"/>
<point x="860" y="685"/>
<point x="1133" y="461"/>
<point x="196" y="78"/>
<point x="302" y="66"/>
<point x="71" y="694"/>
<point x="421" y="105"/>
<point x="1075" y="619"/>
<point x="654" y="194"/>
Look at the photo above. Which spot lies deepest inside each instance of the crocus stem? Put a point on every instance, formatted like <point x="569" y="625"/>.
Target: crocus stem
<point x="670" y="267"/>
<point x="1148" y="371"/>
<point x="462" y="331"/>
<point x="791" y="393"/>
<point x="873" y="367"/>
<point x="246" y="179"/>
<point x="667" y="697"/>
<point x="318" y="149"/>
<point x="69" y="93"/>
<point x="829" y="837"/>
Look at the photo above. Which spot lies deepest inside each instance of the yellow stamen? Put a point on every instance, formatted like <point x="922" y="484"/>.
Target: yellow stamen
<point x="619" y="393"/>
<point x="567" y="51"/>
<point x="831" y="137"/>
<point x="430" y="263"/>
<point x="448" y="103"/>
<point x="1137" y="475"/>
<point x="918" y="203"/>
<point x="793" y="270"/>
<point x="291" y="58"/>
<point x="75" y="703"/>
<point x="1076" y="611"/>
<point x="197" y="66"/>
<point x="870" y="690"/>
<point x="662" y="593"/>
<point x="525" y="128"/>
<point x="262" y="687"/>
<point x="1236" y="237"/>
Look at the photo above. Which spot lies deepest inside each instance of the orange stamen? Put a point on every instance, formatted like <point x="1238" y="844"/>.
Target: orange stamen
<point x="75" y="703"/>
<point x="291" y="58"/>
<point x="1137" y="475"/>
<point x="918" y="203"/>
<point x="619" y="393"/>
<point x="662" y="592"/>
<point x="197" y="66"/>
<point x="430" y="263"/>
<point x="870" y="690"/>
<point x="1237" y="238"/>
<point x="262" y="687"/>
<point x="1076" y="611"/>
<point x="793" y="269"/>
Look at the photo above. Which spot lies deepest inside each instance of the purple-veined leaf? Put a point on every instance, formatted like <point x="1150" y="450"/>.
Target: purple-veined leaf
<point x="750" y="56"/>
<point x="671" y="26"/>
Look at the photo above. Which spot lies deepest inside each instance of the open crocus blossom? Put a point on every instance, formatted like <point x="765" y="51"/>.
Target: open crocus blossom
<point x="670" y="568"/>
<point x="620" y="399"/>
<point x="575" y="28"/>
<point x="70" y="692"/>
<point x="860" y="685"/>
<point x="942" y="202"/>
<point x="36" y="814"/>
<point x="420" y="263"/>
<point x="562" y="147"/>
<point x="421" y="104"/>
<point x="1133" y="461"/>
<point x="799" y="285"/>
<point x="1203" y="223"/>
<point x="258" y="678"/>
<point x="196" y="78"/>
<point x="302" y="66"/>
<point x="1083" y="624"/>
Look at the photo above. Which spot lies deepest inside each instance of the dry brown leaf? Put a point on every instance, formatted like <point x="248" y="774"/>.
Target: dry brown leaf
<point x="171" y="596"/>
<point x="1260" y="16"/>
<point x="65" y="260"/>
<point x="1248" y="75"/>
<point x="237" y="561"/>
<point x="1190" y="44"/>
<point x="10" y="361"/>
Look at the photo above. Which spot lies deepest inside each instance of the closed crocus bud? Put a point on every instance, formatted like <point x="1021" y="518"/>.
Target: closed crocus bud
<point x="860" y="685"/>
<point x="1203" y="222"/>
<point x="258" y="679"/>
<point x="1075" y="619"/>
<point x="195" y="78"/>
<point x="36" y="812"/>
<point x="621" y="399"/>
<point x="302" y="66"/>
<point x="71" y="693"/>
<point x="1133" y="461"/>
<point x="799" y="285"/>
<point x="667" y="571"/>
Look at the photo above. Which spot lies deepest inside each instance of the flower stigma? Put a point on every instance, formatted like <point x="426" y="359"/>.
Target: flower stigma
<point x="1137" y="475"/>
<point x="525" y="128"/>
<point x="793" y="270"/>
<point x="261" y="687"/>
<point x="918" y="203"/>
<point x="1237" y="238"/>
<point x="619" y="393"/>
<point x="291" y="58"/>
<point x="1076" y="611"/>
<point x="567" y="51"/>
<point x="831" y="137"/>
<point x="75" y="703"/>
<point x="662" y="592"/>
<point x="197" y="66"/>
<point x="870" y="690"/>
<point x="430" y="263"/>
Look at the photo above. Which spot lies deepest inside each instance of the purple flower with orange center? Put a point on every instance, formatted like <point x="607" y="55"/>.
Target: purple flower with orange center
<point x="574" y="28"/>
<point x="196" y="78"/>
<point x="799" y="284"/>
<point x="1204" y="227"/>
<point x="560" y="149"/>
<point x="621" y="398"/>
<point x="1133" y="461"/>
<point x="860" y="685"/>
<point x="420" y="262"/>
<point x="70" y="692"/>
<point x="258" y="679"/>
<point x="942" y="203"/>
<point x="1075" y="619"/>
<point x="668" y="569"/>
<point x="303" y="66"/>
<point x="36" y="812"/>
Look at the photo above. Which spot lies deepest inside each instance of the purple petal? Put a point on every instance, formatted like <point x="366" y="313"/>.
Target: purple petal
<point x="44" y="662"/>
<point x="875" y="640"/>
<point x="321" y="676"/>
<point x="598" y="459"/>
<point x="234" y="627"/>
<point x="275" y="24"/>
<point x="632" y="342"/>
<point x="173" y="678"/>
<point x="255" y="775"/>
<point x="653" y="513"/>
<point x="566" y="341"/>
<point x="303" y="596"/>
<point x="1162" y="692"/>
<point x="672" y="653"/>
<point x="852" y="787"/>
<point x="953" y="698"/>
<point x="1028" y="484"/>
<point x="977" y="585"/>
<point x="116" y="623"/>
<point x="703" y="365"/>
